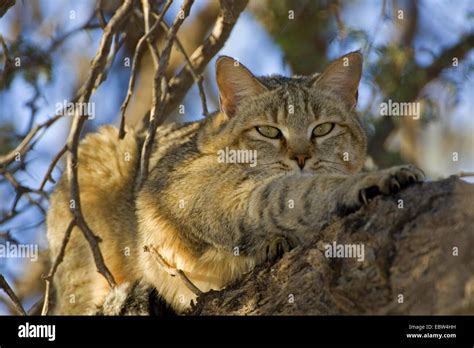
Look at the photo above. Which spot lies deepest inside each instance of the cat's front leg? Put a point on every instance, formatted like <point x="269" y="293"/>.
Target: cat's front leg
<point x="384" y="182"/>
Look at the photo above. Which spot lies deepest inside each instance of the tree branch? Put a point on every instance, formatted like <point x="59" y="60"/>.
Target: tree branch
<point x="198" y="79"/>
<point x="417" y="78"/>
<point x="136" y="56"/>
<point x="92" y="81"/>
<point x="59" y="258"/>
<point x="52" y="165"/>
<point x="180" y="84"/>
<point x="418" y="259"/>
<point x="16" y="302"/>
<point x="158" y="106"/>
<point x="25" y="145"/>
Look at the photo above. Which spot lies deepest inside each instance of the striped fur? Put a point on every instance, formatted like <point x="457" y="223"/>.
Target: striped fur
<point x="216" y="221"/>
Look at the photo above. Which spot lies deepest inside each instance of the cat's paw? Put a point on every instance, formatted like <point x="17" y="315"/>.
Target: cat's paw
<point x="275" y="249"/>
<point x="384" y="182"/>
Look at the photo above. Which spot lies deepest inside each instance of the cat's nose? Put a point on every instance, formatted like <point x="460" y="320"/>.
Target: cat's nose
<point x="301" y="159"/>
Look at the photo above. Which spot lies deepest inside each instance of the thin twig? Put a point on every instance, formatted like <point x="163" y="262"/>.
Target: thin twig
<point x="136" y="56"/>
<point x="59" y="258"/>
<point x="22" y="148"/>
<point x="19" y="187"/>
<point x="4" y="285"/>
<point x="7" y="59"/>
<point x="100" y="14"/>
<point x="118" y="43"/>
<point x="188" y="283"/>
<point x="60" y="40"/>
<point x="158" y="106"/>
<point x="35" y="309"/>
<point x="55" y="160"/>
<point x="7" y="236"/>
<point x="197" y="77"/>
<point x="180" y="84"/>
<point x="172" y="271"/>
<point x="146" y="19"/>
<point x="21" y="190"/>
<point x="10" y="215"/>
<point x="31" y="104"/>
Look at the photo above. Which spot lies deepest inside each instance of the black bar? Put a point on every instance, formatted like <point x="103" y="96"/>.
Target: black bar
<point x="256" y="330"/>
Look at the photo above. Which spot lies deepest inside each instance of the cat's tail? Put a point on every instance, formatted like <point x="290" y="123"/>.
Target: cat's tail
<point x="107" y="162"/>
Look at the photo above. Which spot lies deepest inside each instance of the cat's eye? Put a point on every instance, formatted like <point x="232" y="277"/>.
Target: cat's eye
<point x="269" y="132"/>
<point x="323" y="129"/>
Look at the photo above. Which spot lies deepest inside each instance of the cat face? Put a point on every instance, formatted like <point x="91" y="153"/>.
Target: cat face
<point x="299" y="124"/>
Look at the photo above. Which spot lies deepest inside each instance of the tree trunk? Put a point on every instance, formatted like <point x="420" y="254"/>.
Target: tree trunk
<point x="418" y="259"/>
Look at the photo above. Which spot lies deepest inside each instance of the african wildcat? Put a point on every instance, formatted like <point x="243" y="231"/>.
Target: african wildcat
<point x="213" y="220"/>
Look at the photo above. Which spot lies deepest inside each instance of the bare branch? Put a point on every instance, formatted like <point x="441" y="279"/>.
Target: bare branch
<point x="59" y="258"/>
<point x="445" y="59"/>
<point x="416" y="79"/>
<point x="20" y="190"/>
<point x="100" y="14"/>
<point x="6" y="57"/>
<point x="4" y="285"/>
<point x="95" y="77"/>
<point x="180" y="84"/>
<point x="440" y="217"/>
<point x="7" y="236"/>
<point x="23" y="147"/>
<point x="57" y="42"/>
<point x="53" y="163"/>
<point x="158" y="106"/>
<point x="146" y="19"/>
<point x="136" y="57"/>
<point x="118" y="42"/>
<point x="100" y="60"/>
<point x="172" y="271"/>
<point x="197" y="77"/>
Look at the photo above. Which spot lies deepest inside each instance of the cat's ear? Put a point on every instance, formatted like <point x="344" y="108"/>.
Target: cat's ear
<point x="236" y="83"/>
<point x="342" y="76"/>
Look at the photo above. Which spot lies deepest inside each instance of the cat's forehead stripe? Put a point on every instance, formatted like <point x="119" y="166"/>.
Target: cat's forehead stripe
<point x="294" y="102"/>
<point x="293" y="108"/>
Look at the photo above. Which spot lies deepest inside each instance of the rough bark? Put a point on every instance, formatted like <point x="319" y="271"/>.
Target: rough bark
<point x="409" y="251"/>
